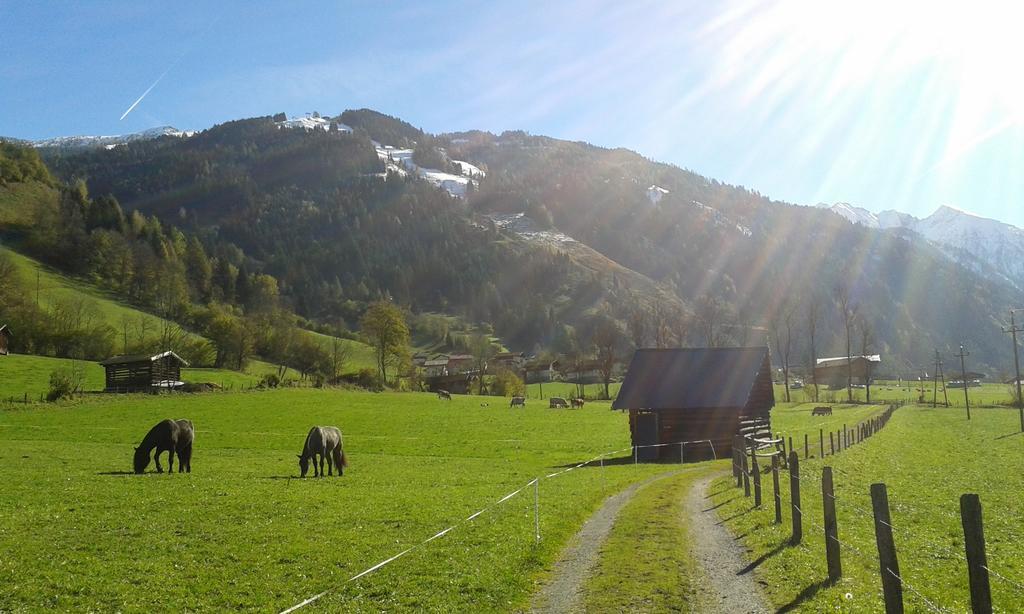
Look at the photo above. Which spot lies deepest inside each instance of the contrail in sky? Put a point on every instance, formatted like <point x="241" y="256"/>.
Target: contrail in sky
<point x="173" y="64"/>
<point x="149" y="89"/>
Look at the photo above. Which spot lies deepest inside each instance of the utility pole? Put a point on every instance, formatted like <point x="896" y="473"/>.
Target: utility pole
<point x="1016" y="363"/>
<point x="935" y="382"/>
<point x="963" y="377"/>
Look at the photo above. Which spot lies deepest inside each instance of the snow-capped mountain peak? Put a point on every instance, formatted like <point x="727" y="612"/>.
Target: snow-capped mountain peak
<point x="957" y="232"/>
<point x="84" y="141"/>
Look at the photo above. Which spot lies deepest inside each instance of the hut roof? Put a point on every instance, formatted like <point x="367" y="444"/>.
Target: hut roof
<point x="6" y="330"/>
<point x="132" y="358"/>
<point x="841" y="360"/>
<point x="691" y="378"/>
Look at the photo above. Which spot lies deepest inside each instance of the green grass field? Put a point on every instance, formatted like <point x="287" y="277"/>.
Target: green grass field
<point x="988" y="394"/>
<point x="242" y="532"/>
<point x="927" y="458"/>
<point x="22" y="374"/>
<point x="568" y="391"/>
<point x="646" y="564"/>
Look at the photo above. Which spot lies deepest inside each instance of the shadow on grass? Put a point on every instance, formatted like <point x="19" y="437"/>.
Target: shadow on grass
<point x="726" y="502"/>
<point x="1009" y="435"/>
<point x="116" y="473"/>
<point x="764" y="557"/>
<point x="804" y="595"/>
<point x="735" y="516"/>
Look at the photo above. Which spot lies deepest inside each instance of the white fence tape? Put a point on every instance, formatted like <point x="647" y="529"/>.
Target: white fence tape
<point x="534" y="482"/>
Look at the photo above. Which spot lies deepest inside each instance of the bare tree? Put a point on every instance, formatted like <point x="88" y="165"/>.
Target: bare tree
<point x="813" y="319"/>
<point x="782" y="329"/>
<point x="661" y="321"/>
<point x="848" y="311"/>
<point x="867" y="344"/>
<point x="708" y="317"/>
<point x="639" y="324"/>
<point x="482" y="349"/>
<point x="340" y="354"/>
<point x="681" y="325"/>
<point x="607" y="338"/>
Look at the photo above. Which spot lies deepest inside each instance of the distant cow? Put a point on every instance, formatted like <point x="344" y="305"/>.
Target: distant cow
<point x="444" y="394"/>
<point x="821" y="411"/>
<point x="517" y="402"/>
<point x="558" y="402"/>
<point x="577" y="403"/>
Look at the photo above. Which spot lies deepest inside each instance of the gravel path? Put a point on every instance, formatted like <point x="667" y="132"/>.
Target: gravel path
<point x="721" y="556"/>
<point x="562" y="592"/>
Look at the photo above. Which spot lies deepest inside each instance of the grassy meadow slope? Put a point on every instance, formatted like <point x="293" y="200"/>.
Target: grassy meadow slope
<point x="241" y="533"/>
<point x="22" y="375"/>
<point x="927" y="458"/>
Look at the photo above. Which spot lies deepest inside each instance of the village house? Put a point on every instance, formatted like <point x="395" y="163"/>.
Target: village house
<point x="5" y="340"/>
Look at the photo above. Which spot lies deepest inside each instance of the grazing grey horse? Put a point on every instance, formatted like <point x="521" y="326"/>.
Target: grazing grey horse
<point x="444" y="394"/>
<point x="325" y="442"/>
<point x="171" y="436"/>
<point x="517" y="402"/>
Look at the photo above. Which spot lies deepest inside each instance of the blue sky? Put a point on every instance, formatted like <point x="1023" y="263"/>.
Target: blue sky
<point x="906" y="105"/>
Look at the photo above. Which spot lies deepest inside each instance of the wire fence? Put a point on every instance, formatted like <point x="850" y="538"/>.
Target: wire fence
<point x="974" y="556"/>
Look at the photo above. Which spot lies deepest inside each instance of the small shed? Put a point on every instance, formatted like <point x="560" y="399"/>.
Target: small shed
<point x="5" y="340"/>
<point x="144" y="372"/>
<point x="694" y="395"/>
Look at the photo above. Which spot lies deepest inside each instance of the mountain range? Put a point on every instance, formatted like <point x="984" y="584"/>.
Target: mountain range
<point x="536" y="236"/>
<point x="985" y="245"/>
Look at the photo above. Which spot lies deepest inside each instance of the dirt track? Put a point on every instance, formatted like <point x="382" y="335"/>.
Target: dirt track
<point x="721" y="556"/>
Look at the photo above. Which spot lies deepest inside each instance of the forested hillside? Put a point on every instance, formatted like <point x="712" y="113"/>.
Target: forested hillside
<point x="665" y="254"/>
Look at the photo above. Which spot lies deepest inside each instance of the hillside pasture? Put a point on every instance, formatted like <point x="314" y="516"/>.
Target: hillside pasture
<point x="22" y="375"/>
<point x="242" y="532"/>
<point x="927" y="458"/>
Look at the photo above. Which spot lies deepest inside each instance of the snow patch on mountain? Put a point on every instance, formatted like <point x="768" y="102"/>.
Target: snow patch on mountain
<point x="401" y="160"/>
<point x="312" y="122"/>
<point x="525" y="227"/>
<point x="655" y="193"/>
<point x="109" y="142"/>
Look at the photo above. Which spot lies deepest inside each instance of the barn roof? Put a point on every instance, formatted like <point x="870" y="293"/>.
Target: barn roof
<point x="691" y="378"/>
<point x="5" y="329"/>
<point x="131" y="358"/>
<point x="841" y="360"/>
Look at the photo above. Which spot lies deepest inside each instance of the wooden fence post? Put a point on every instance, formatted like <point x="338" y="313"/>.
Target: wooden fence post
<point x="977" y="563"/>
<point x="736" y="452"/>
<point x="892" y="584"/>
<point x="757" y="483"/>
<point x="831" y="443"/>
<point x="846" y="440"/>
<point x="746" y="476"/>
<point x="794" y="498"/>
<point x="735" y="461"/>
<point x="821" y="443"/>
<point x="775" y="489"/>
<point x="786" y="452"/>
<point x="832" y="552"/>
<point x="807" y="448"/>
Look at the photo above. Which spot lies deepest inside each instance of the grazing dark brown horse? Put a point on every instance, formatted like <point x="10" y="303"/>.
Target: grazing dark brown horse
<point x="171" y="436"/>
<point x="444" y="394"/>
<point x="325" y="442"/>
<point x="577" y="403"/>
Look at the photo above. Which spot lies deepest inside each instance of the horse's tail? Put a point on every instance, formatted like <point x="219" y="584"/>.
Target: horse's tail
<point x="344" y="459"/>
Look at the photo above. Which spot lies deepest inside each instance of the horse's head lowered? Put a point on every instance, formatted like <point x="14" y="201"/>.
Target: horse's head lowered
<point x="303" y="464"/>
<point x="141" y="460"/>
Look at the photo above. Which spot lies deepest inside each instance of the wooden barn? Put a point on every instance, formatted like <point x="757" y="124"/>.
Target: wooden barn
<point x="833" y="372"/>
<point x="5" y="340"/>
<point x="693" y="394"/>
<point x="144" y="372"/>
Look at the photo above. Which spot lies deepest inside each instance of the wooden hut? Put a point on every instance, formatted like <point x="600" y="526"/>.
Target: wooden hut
<point x="694" y="394"/>
<point x="144" y="372"/>
<point x="5" y="340"/>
